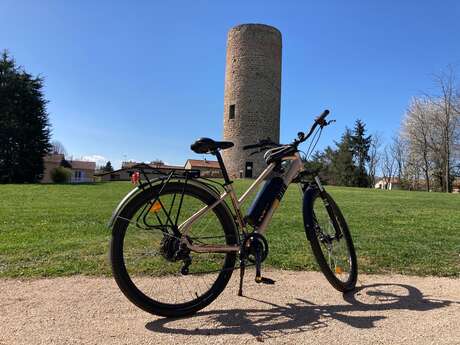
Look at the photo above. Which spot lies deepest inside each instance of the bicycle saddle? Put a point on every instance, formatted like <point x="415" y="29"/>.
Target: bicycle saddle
<point x="206" y="145"/>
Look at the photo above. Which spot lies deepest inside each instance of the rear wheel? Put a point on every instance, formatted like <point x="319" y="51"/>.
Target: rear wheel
<point x="330" y="239"/>
<point x="150" y="265"/>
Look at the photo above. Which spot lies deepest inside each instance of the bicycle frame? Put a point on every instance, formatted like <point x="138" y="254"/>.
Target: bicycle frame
<point x="288" y="176"/>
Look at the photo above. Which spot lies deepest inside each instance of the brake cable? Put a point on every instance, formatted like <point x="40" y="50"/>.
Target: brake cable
<point x="314" y="142"/>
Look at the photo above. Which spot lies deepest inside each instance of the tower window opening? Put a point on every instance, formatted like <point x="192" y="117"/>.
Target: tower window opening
<point x="231" y="112"/>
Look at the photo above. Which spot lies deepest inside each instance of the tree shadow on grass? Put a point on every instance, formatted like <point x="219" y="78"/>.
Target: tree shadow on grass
<point x="302" y="316"/>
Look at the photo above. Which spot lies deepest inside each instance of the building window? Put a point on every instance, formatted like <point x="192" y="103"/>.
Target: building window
<point x="231" y="112"/>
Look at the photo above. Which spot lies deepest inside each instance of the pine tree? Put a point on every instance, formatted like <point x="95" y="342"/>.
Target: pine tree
<point x="107" y="167"/>
<point x="24" y="126"/>
<point x="342" y="170"/>
<point x="360" y="145"/>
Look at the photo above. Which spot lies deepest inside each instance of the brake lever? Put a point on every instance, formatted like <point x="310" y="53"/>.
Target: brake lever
<point x="326" y="123"/>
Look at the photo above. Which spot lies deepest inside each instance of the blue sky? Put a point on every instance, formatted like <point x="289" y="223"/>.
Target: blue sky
<point x="142" y="79"/>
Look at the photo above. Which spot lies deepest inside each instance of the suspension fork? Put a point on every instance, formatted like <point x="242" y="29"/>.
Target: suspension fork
<point x="330" y="211"/>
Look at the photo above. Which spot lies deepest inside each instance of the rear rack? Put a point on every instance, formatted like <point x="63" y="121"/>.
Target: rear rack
<point x="144" y="170"/>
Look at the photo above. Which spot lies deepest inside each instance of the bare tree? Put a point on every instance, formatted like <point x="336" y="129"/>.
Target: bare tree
<point x="446" y="122"/>
<point x="418" y="131"/>
<point x="413" y="170"/>
<point x="58" y="148"/>
<point x="374" y="156"/>
<point x="398" y="149"/>
<point x="388" y="166"/>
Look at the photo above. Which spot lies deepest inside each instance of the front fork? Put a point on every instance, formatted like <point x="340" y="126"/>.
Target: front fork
<point x="327" y="204"/>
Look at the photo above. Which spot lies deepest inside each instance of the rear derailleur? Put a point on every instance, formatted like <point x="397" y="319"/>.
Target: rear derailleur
<point x="254" y="250"/>
<point x="173" y="250"/>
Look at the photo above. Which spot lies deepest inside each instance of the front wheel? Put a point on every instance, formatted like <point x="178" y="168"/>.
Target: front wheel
<point x="330" y="239"/>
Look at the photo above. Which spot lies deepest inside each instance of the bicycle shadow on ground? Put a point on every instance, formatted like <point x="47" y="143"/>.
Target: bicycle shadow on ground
<point x="302" y="316"/>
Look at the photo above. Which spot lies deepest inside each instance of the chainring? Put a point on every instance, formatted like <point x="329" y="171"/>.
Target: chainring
<point x="251" y="243"/>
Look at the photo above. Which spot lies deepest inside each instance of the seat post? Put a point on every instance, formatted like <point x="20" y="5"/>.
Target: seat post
<point x="222" y="167"/>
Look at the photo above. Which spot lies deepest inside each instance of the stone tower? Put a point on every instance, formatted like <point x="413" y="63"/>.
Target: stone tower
<point x="252" y="95"/>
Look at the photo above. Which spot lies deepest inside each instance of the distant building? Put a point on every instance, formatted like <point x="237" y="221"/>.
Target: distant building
<point x="82" y="171"/>
<point x="252" y="95"/>
<point x="456" y="185"/>
<point x="206" y="167"/>
<point x="389" y="184"/>
<point x="128" y="168"/>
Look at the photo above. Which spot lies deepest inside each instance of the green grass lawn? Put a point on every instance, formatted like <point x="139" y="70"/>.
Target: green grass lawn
<point x="56" y="230"/>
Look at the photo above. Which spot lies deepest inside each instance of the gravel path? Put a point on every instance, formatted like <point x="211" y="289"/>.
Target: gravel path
<point x="300" y="309"/>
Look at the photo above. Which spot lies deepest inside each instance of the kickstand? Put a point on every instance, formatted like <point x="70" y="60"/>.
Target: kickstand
<point x="242" y="269"/>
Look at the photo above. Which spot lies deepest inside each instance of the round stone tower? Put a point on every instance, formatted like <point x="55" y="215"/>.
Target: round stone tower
<point x="252" y="95"/>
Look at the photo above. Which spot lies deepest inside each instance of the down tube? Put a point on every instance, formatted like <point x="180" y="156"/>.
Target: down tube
<point x="293" y="171"/>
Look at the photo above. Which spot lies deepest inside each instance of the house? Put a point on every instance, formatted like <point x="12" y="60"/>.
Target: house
<point x="389" y="184"/>
<point x="456" y="185"/>
<point x="206" y="167"/>
<point x="82" y="171"/>
<point x="50" y="162"/>
<point x="128" y="168"/>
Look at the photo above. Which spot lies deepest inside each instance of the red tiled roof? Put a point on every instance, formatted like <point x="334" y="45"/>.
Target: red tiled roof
<point x="83" y="165"/>
<point x="77" y="165"/>
<point x="203" y="163"/>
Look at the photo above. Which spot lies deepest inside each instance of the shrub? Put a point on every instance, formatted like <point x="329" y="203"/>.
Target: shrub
<point x="61" y="175"/>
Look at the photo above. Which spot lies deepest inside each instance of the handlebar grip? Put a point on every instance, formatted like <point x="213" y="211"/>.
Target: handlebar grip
<point x="323" y="115"/>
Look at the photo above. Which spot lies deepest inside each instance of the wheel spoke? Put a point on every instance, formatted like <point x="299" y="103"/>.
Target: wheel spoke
<point x="332" y="242"/>
<point x="151" y="250"/>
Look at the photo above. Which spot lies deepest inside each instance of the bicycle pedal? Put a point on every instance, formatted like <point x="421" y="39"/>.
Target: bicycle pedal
<point x="265" y="280"/>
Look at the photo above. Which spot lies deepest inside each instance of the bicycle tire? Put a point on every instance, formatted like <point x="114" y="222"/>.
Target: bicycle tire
<point x="312" y="195"/>
<point x="123" y="278"/>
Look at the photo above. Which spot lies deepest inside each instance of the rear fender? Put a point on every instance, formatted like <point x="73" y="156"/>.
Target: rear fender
<point x="141" y="187"/>
<point x="146" y="186"/>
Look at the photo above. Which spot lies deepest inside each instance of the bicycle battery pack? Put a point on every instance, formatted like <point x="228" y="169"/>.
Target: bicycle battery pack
<point x="272" y="191"/>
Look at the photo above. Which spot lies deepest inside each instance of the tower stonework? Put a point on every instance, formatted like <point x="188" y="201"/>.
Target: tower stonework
<point x="252" y="95"/>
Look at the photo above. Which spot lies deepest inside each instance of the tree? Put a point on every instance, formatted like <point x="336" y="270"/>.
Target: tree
<point x="417" y="129"/>
<point x="374" y="157"/>
<point x="388" y="166"/>
<point x="360" y="144"/>
<point x="24" y="126"/>
<point x="342" y="171"/>
<point x="61" y="174"/>
<point x="432" y="128"/>
<point x="319" y="164"/>
<point x="398" y="151"/>
<point x="107" y="167"/>
<point x="58" y="148"/>
<point x="447" y="122"/>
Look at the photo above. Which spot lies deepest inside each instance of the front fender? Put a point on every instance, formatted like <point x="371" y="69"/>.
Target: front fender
<point x="307" y="210"/>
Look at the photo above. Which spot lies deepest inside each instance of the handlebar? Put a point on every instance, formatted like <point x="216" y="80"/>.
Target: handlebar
<point x="320" y="120"/>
